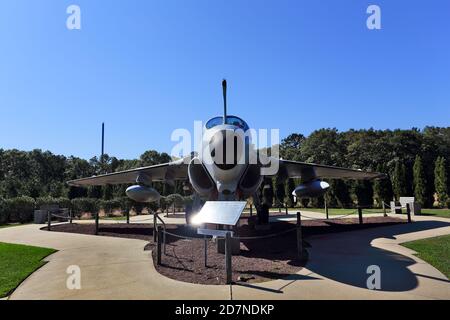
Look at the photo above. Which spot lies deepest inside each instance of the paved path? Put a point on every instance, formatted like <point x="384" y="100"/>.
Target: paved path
<point x="114" y="268"/>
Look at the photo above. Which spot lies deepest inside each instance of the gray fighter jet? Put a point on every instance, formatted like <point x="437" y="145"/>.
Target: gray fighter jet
<point x="228" y="167"/>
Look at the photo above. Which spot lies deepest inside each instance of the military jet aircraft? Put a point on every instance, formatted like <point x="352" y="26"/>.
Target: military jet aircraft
<point x="228" y="167"/>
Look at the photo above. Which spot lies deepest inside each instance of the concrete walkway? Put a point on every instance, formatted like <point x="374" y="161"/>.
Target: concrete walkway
<point x="115" y="268"/>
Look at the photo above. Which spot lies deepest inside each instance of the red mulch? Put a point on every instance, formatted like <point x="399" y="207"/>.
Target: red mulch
<point x="260" y="260"/>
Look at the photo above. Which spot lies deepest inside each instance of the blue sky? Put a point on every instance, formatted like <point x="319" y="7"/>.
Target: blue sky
<point x="148" y="67"/>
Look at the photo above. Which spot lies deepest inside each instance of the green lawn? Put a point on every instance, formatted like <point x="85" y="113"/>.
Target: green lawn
<point x="114" y="218"/>
<point x="339" y="211"/>
<point x="444" y="213"/>
<point x="17" y="262"/>
<point x="435" y="251"/>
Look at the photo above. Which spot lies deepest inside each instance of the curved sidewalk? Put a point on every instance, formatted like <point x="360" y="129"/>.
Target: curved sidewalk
<point x="117" y="268"/>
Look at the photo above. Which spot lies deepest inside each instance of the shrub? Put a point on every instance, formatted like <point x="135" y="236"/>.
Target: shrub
<point x="188" y="200"/>
<point x="126" y="203"/>
<point x="20" y="209"/>
<point x="110" y="205"/>
<point x="61" y="202"/>
<point x="4" y="214"/>
<point x="80" y="205"/>
<point x="175" y="199"/>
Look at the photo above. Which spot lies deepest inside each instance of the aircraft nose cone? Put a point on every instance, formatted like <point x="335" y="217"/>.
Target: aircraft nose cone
<point x="224" y="149"/>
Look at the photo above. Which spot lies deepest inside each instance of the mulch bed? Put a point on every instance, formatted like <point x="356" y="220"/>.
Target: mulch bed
<point x="260" y="260"/>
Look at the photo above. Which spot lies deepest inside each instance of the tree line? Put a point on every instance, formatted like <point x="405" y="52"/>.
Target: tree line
<point x="415" y="161"/>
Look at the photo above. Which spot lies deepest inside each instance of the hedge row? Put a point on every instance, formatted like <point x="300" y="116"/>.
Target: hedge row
<point x="21" y="209"/>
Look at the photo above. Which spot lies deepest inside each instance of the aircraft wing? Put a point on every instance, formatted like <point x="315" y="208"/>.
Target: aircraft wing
<point x="170" y="171"/>
<point x="311" y="171"/>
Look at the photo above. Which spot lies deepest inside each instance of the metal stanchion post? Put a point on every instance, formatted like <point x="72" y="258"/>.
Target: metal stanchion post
<point x="360" y="215"/>
<point x="384" y="209"/>
<point x="326" y="209"/>
<point x="158" y="247"/>
<point x="155" y="226"/>
<point x="299" y="236"/>
<point x="96" y="223"/>
<point x="206" y="251"/>
<point x="228" y="257"/>
<point x="71" y="216"/>
<point x="408" y="212"/>
<point x="49" y="220"/>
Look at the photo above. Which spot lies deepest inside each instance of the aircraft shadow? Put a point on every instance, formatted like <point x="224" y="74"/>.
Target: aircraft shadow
<point x="345" y="258"/>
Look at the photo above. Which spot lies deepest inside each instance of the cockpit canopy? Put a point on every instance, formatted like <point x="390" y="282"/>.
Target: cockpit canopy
<point x="232" y="120"/>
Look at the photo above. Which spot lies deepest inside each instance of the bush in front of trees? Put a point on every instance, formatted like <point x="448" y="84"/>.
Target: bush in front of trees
<point x="175" y="200"/>
<point x="20" y="209"/>
<point x="110" y="205"/>
<point x="4" y="214"/>
<point x="81" y="205"/>
<point x="48" y="201"/>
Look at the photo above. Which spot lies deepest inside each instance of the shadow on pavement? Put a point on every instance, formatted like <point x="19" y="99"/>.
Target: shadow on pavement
<point x="345" y="257"/>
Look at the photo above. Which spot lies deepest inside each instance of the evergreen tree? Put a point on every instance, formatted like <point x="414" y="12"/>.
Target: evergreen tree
<point x="382" y="187"/>
<point x="363" y="191"/>
<point x="280" y="193"/>
<point x="290" y="187"/>
<point x="419" y="181"/>
<point x="268" y="192"/>
<point x="399" y="180"/>
<point x="440" y="181"/>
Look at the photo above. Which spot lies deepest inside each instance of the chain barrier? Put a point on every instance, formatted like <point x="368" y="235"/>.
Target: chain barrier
<point x="334" y="217"/>
<point x="58" y="216"/>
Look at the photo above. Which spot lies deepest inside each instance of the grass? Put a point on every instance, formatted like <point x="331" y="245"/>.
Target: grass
<point x="17" y="262"/>
<point x="114" y="218"/>
<point x="340" y="211"/>
<point x="435" y="251"/>
<point x="444" y="213"/>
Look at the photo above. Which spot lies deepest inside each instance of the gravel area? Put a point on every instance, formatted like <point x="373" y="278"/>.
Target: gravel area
<point x="259" y="260"/>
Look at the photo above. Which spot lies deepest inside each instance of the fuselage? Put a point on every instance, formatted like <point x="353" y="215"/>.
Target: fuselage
<point x="226" y="155"/>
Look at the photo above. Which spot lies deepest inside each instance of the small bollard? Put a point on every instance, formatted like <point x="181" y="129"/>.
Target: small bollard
<point x="70" y="216"/>
<point x="228" y="257"/>
<point x="96" y="223"/>
<point x="287" y="210"/>
<point x="299" y="236"/>
<point x="155" y="227"/>
<point x="326" y="209"/>
<point x="360" y="215"/>
<point x="128" y="217"/>
<point x="49" y="220"/>
<point x="206" y="251"/>
<point x="158" y="246"/>
<point x="408" y="212"/>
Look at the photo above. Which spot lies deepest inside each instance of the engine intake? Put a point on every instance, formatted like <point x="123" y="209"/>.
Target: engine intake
<point x="251" y="180"/>
<point x="199" y="178"/>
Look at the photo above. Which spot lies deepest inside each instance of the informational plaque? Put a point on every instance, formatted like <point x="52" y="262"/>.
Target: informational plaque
<point x="220" y="212"/>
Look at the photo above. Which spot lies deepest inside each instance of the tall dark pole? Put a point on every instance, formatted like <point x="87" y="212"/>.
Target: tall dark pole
<point x="224" y="88"/>
<point x="103" y="141"/>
